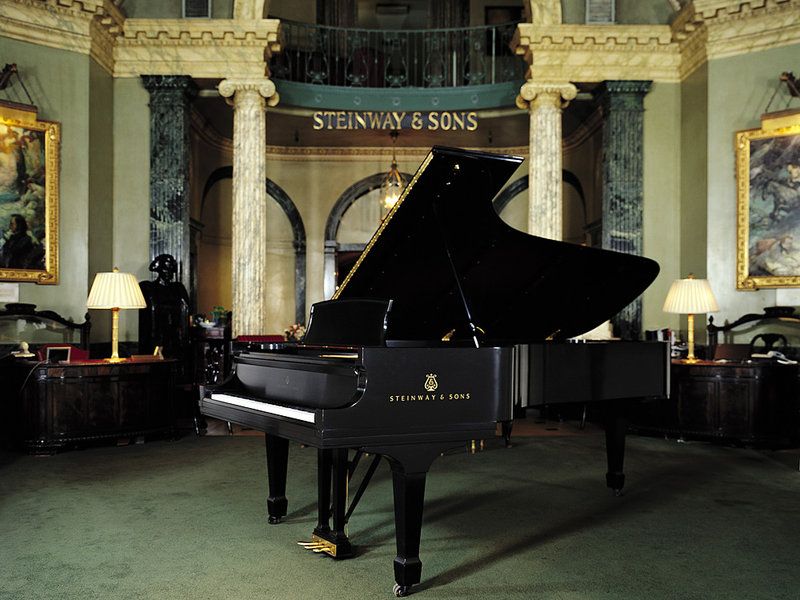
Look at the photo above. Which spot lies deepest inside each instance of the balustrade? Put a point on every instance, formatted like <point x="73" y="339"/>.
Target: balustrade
<point x="421" y="58"/>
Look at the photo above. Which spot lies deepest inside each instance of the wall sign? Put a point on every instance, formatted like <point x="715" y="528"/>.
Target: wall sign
<point x="429" y="121"/>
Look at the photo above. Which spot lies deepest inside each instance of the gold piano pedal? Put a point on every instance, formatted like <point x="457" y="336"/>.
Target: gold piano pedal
<point x="319" y="545"/>
<point x="477" y="446"/>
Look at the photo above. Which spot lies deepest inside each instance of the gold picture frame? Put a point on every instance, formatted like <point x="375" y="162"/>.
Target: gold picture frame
<point x="29" y="195"/>
<point x="768" y="206"/>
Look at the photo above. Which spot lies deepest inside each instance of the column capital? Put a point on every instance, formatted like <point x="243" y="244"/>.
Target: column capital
<point x="156" y="84"/>
<point x="263" y="85"/>
<point x="622" y="94"/>
<point x="542" y="93"/>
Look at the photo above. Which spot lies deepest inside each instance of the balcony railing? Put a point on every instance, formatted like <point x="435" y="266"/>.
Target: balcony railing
<point x="396" y="59"/>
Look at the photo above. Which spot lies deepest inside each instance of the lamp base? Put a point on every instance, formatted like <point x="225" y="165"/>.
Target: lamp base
<point x="116" y="359"/>
<point x="688" y="361"/>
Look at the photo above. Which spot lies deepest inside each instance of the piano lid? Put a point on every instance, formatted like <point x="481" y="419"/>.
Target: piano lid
<point x="443" y="254"/>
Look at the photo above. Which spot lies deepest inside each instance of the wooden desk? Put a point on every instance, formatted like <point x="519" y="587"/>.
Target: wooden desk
<point x="47" y="407"/>
<point x="749" y="403"/>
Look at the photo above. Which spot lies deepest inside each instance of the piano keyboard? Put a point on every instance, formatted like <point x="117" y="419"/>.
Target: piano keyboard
<point x="265" y="407"/>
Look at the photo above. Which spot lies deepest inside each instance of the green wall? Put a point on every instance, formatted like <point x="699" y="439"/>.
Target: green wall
<point x="694" y="172"/>
<point x="739" y="90"/>
<point x="661" y="187"/>
<point x="131" y="216"/>
<point x="60" y="83"/>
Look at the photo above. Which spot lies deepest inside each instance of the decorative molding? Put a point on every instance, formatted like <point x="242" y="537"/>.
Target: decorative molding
<point x="203" y="48"/>
<point x="710" y="29"/>
<point x="704" y="30"/>
<point x="214" y="48"/>
<point x="296" y="153"/>
<point x="597" y="52"/>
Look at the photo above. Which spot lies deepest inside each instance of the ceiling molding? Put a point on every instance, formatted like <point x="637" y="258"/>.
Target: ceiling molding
<point x="704" y="30"/>
<point x="594" y="53"/>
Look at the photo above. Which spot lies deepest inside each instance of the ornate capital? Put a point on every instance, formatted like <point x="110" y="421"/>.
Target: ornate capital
<point x="622" y="95"/>
<point x="264" y="86"/>
<point x="535" y="94"/>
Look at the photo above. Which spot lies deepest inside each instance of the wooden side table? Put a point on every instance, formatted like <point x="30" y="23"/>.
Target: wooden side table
<point x="49" y="407"/>
<point x="754" y="402"/>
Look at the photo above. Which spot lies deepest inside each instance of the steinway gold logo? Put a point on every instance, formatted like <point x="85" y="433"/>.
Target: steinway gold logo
<point x="431" y="385"/>
<point x="430" y="382"/>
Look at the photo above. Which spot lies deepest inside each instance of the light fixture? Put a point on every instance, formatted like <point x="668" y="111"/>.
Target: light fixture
<point x="393" y="183"/>
<point x="114" y="291"/>
<point x="690" y="296"/>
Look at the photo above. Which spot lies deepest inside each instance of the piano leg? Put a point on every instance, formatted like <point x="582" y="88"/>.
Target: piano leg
<point x="332" y="467"/>
<point x="340" y="481"/>
<point x="324" y="466"/>
<point x="505" y="429"/>
<point x="616" y="427"/>
<point x="410" y="465"/>
<point x="277" y="461"/>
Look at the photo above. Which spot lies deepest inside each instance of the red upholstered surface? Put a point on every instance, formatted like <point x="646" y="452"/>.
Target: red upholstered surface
<point x="76" y="354"/>
<point x="261" y="338"/>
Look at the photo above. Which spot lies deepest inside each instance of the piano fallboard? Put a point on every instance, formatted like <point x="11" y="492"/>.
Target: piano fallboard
<point x="384" y="395"/>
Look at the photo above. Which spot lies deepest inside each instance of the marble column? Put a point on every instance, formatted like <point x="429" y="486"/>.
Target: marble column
<point x="249" y="249"/>
<point x="170" y="100"/>
<point x="545" y="101"/>
<point x="622" y="103"/>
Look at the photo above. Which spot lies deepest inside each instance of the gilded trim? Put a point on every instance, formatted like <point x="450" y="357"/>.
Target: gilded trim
<point x="788" y="125"/>
<point x="384" y="224"/>
<point x="52" y="137"/>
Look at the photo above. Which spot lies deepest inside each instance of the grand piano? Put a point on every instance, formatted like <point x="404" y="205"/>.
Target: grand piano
<point x="416" y="352"/>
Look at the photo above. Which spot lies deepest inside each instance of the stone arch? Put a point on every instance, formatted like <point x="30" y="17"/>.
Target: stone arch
<point x="298" y="232"/>
<point x="345" y="201"/>
<point x="520" y="185"/>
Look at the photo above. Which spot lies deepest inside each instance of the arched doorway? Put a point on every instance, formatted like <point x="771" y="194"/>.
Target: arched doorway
<point x="285" y="234"/>
<point x="353" y="219"/>
<point x="512" y="206"/>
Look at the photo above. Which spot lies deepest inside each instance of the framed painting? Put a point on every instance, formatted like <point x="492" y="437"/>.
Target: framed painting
<point x="768" y="206"/>
<point x="29" y="163"/>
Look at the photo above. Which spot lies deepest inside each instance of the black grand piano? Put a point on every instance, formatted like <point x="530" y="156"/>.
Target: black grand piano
<point x="415" y="353"/>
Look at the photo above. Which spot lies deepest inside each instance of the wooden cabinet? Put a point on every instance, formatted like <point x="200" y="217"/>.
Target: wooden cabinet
<point x="48" y="407"/>
<point x="212" y="355"/>
<point x="749" y="403"/>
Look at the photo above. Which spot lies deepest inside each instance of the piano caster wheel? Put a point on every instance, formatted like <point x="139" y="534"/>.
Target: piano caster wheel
<point x="401" y="591"/>
<point x="273" y="520"/>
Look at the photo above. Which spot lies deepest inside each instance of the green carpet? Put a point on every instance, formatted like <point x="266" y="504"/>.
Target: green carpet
<point x="186" y="519"/>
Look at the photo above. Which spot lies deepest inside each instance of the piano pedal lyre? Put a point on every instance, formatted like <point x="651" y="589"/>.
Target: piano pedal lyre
<point x="319" y="545"/>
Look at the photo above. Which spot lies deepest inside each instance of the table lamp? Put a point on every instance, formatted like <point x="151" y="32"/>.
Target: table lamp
<point x="690" y="296"/>
<point x="114" y="291"/>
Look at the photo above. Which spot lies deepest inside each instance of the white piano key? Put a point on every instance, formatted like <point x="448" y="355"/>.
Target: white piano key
<point x="265" y="407"/>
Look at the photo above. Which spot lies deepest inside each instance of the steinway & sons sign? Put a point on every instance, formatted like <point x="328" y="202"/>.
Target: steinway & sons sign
<point x="431" y="121"/>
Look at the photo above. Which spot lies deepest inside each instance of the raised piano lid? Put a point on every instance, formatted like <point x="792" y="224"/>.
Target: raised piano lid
<point x="517" y="287"/>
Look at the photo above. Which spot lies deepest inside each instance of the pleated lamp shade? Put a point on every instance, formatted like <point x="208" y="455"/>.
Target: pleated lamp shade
<point x="115" y="290"/>
<point x="690" y="296"/>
